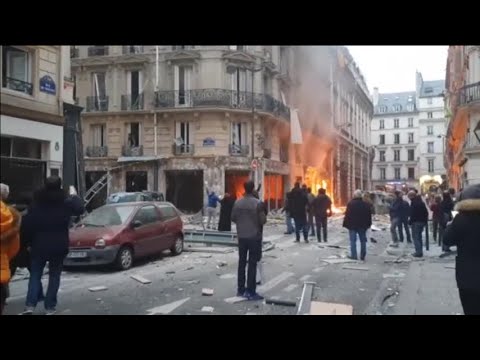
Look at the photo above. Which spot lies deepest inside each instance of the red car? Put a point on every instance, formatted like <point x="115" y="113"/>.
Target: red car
<point x="120" y="233"/>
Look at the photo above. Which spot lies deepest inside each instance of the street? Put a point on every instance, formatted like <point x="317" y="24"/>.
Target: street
<point x="377" y="287"/>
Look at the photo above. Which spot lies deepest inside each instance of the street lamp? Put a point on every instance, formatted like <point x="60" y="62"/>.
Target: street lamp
<point x="231" y="69"/>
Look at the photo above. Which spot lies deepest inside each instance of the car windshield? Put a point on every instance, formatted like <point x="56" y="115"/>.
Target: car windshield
<point x="108" y="216"/>
<point x="123" y="198"/>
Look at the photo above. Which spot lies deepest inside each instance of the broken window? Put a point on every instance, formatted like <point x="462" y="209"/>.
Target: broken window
<point x="99" y="88"/>
<point x="239" y="137"/>
<point x="134" y="88"/>
<point x="396" y="138"/>
<point x="133" y="139"/>
<point x="99" y="135"/>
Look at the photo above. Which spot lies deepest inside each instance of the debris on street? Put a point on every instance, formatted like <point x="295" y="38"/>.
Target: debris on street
<point x="235" y="299"/>
<point x="389" y="295"/>
<point x="97" y="288"/>
<point x="170" y="272"/>
<point x="350" y="267"/>
<point x="227" y="276"/>
<point x="394" y="275"/>
<point x="221" y="264"/>
<point x="276" y="301"/>
<point x="193" y="282"/>
<point x="373" y="240"/>
<point x="207" y="292"/>
<point x="323" y="308"/>
<point x="338" y="261"/>
<point x="376" y="228"/>
<point x="190" y="268"/>
<point x="206" y="256"/>
<point x="207" y="309"/>
<point x="140" y="279"/>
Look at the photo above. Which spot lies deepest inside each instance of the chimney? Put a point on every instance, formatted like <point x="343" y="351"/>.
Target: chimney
<point x="375" y="96"/>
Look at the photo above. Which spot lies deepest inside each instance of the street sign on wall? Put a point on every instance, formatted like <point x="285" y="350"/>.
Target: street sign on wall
<point x="47" y="85"/>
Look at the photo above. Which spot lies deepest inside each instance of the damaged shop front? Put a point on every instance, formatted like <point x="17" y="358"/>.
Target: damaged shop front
<point x="186" y="181"/>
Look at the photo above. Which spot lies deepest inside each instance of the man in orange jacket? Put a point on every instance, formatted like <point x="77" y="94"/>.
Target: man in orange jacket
<point x="9" y="245"/>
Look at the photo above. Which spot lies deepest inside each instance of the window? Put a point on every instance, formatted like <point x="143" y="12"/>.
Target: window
<point x="183" y="132"/>
<point x="382" y="109"/>
<point x="429" y="101"/>
<point x="382" y="124"/>
<point x="410" y="122"/>
<point x="410" y="107"/>
<point x="430" y="115"/>
<point x="238" y="47"/>
<point x="411" y="173"/>
<point x="410" y="138"/>
<point x="168" y="212"/>
<point x="397" y="173"/>
<point x="382" y="139"/>
<point x="430" y="149"/>
<point x="397" y="107"/>
<point x="182" y="85"/>
<point x="396" y="155"/>
<point x="382" y="155"/>
<point x="411" y="154"/>
<point x="99" y="88"/>
<point x="99" y="135"/>
<point x="239" y="137"/>
<point x="396" y="138"/>
<point x="147" y="215"/>
<point x="6" y="146"/>
<point x="383" y="174"/>
<point x="17" y="69"/>
<point x="396" y="123"/>
<point x="55" y="172"/>
<point x="267" y="85"/>
<point x="431" y="165"/>
<point x="26" y="148"/>
<point x="430" y="130"/>
<point x="133" y="138"/>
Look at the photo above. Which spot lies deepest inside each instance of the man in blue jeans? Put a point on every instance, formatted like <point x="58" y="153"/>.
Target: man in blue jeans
<point x="418" y="219"/>
<point x="358" y="218"/>
<point x="45" y="229"/>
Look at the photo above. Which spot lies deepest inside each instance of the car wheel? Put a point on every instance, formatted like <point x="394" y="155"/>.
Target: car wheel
<point x="124" y="260"/>
<point x="178" y="246"/>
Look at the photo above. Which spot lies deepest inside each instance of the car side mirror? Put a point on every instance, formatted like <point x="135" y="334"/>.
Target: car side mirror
<point x="136" y="224"/>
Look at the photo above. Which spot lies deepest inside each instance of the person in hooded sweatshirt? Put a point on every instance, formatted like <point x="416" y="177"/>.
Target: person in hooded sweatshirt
<point x="463" y="232"/>
<point x="45" y="229"/>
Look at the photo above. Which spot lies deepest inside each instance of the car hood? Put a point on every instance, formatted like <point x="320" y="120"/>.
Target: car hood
<point x="87" y="235"/>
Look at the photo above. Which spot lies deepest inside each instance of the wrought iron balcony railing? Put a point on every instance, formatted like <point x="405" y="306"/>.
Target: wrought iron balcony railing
<point x="132" y="150"/>
<point x="238" y="150"/>
<point x="97" y="151"/>
<point x="18" y="85"/>
<point x="242" y="100"/>
<point x="98" y="51"/>
<point x="132" y="49"/>
<point x="470" y="93"/>
<point x="132" y="102"/>
<point x="95" y="103"/>
<point x="184" y="149"/>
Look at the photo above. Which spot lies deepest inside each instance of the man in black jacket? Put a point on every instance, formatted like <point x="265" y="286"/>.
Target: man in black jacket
<point x="464" y="232"/>
<point x="418" y="220"/>
<point x="45" y="229"/>
<point x="358" y="218"/>
<point x="298" y="210"/>
<point x="322" y="208"/>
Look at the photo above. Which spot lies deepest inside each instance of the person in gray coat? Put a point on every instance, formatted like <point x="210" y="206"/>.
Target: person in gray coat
<point x="249" y="216"/>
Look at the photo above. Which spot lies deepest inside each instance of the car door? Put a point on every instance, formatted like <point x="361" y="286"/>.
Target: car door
<point x="168" y="216"/>
<point x="146" y="236"/>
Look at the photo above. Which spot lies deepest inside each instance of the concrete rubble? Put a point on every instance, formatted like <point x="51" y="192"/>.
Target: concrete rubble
<point x="207" y="292"/>
<point x="140" y="279"/>
<point x="97" y="288"/>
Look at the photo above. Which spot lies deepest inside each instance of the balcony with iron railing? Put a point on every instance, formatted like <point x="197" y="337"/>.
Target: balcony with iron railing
<point x="183" y="149"/>
<point x="98" y="51"/>
<point x="96" y="151"/>
<point x="128" y="150"/>
<point x="132" y="102"/>
<point x="18" y="85"/>
<point x="238" y="150"/>
<point x="95" y="103"/>
<point x="470" y="94"/>
<point x="240" y="100"/>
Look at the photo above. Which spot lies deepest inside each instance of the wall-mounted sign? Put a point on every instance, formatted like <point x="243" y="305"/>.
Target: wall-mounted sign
<point x="208" y="142"/>
<point x="47" y="85"/>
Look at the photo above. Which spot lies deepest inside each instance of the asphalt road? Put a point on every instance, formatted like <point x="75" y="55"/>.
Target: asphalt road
<point x="373" y="287"/>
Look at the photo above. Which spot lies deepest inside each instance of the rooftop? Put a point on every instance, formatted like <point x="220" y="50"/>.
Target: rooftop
<point x="396" y="102"/>
<point x="432" y="88"/>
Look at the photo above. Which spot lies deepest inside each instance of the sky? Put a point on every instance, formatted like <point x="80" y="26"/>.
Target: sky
<point x="392" y="68"/>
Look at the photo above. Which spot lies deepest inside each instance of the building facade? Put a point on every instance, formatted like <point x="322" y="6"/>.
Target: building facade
<point x="35" y="85"/>
<point x="179" y="119"/>
<point x="334" y="110"/>
<point x="432" y="132"/>
<point x="395" y="136"/>
<point x="408" y="132"/>
<point x="462" y="157"/>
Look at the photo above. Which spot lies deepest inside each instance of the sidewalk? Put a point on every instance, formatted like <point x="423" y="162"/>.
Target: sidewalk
<point x="429" y="288"/>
